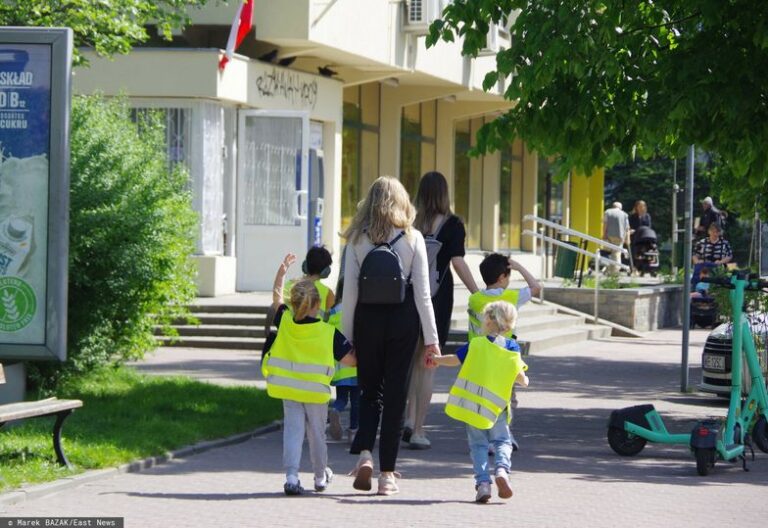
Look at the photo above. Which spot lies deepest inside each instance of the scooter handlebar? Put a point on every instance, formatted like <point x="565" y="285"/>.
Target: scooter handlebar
<point x="722" y="281"/>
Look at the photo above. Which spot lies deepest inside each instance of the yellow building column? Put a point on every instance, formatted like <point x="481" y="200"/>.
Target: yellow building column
<point x="587" y="205"/>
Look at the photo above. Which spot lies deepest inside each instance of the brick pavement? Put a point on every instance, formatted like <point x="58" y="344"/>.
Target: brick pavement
<point x="564" y="475"/>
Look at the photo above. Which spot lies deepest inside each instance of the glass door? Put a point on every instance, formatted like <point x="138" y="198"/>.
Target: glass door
<point x="272" y="193"/>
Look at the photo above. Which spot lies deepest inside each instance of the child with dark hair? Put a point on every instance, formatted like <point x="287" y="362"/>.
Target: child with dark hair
<point x="317" y="266"/>
<point x="496" y="270"/>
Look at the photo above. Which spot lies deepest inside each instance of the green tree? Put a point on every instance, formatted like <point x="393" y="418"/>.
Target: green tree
<point x="597" y="82"/>
<point x="108" y="26"/>
<point x="132" y="229"/>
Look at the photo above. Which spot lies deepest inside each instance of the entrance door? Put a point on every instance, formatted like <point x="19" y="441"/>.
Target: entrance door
<point x="272" y="193"/>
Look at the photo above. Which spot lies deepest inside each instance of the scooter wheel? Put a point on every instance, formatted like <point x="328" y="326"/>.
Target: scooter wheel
<point x="624" y="443"/>
<point x="705" y="460"/>
<point x="760" y="434"/>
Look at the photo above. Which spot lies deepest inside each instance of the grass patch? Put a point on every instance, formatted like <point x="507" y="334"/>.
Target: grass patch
<point x="128" y="416"/>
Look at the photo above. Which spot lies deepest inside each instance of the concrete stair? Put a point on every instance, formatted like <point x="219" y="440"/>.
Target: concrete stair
<point x="539" y="327"/>
<point x="241" y="326"/>
<point x="220" y="326"/>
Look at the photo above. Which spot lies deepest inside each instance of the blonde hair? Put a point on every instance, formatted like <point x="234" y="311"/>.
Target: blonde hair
<point x="499" y="317"/>
<point x="387" y="205"/>
<point x="304" y="298"/>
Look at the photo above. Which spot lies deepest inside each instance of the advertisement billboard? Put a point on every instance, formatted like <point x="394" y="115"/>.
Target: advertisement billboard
<point x="35" y="71"/>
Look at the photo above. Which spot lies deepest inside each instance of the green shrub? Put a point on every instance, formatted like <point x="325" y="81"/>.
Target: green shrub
<point x="132" y="230"/>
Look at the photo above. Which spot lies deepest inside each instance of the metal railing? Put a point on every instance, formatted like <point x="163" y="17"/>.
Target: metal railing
<point x="598" y="258"/>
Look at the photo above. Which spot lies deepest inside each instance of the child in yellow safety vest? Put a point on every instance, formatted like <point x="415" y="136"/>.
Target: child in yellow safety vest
<point x="316" y="266"/>
<point x="490" y="366"/>
<point x="298" y="368"/>
<point x="345" y="378"/>
<point x="495" y="270"/>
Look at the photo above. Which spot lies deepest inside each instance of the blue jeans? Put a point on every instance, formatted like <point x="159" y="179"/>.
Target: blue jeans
<point x="479" y="439"/>
<point x="349" y="393"/>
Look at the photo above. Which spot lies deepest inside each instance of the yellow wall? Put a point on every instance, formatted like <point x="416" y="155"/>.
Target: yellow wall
<point x="587" y="205"/>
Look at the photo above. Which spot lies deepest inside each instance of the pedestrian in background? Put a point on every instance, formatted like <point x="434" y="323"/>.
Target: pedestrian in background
<point x="385" y="335"/>
<point x="615" y="231"/>
<point x="709" y="215"/>
<point x="435" y="219"/>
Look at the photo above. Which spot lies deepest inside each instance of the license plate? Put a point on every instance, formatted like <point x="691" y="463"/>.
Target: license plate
<point x="714" y="363"/>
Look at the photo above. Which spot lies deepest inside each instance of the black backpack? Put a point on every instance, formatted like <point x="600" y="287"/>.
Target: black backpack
<point x="381" y="279"/>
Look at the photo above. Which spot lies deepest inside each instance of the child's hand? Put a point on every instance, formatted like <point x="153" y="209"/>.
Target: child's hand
<point x="430" y="353"/>
<point x="513" y="264"/>
<point x="289" y="259"/>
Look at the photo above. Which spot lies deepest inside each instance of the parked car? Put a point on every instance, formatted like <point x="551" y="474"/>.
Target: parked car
<point x="716" y="357"/>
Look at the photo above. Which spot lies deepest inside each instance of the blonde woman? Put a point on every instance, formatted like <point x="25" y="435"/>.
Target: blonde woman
<point x="385" y="335"/>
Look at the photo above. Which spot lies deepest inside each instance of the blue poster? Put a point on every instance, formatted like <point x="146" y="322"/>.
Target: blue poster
<point x="25" y="136"/>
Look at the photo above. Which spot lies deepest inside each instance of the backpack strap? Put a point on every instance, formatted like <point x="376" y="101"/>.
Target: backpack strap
<point x="440" y="227"/>
<point x="394" y="240"/>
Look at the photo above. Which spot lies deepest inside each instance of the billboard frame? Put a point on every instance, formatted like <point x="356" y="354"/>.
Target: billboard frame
<point x="55" y="345"/>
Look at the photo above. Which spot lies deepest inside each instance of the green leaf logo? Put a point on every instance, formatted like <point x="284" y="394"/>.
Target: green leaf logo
<point x="17" y="304"/>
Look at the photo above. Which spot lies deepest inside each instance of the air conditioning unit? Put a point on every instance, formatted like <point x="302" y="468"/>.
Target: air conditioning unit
<point x="419" y="14"/>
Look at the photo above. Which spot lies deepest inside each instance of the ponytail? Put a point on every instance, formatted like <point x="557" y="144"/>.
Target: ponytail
<point x="304" y="297"/>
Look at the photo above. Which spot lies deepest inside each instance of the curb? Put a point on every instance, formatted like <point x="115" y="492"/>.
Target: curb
<point x="37" y="491"/>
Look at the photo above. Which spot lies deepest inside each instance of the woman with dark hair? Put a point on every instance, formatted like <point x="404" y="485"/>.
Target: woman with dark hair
<point x="434" y="218"/>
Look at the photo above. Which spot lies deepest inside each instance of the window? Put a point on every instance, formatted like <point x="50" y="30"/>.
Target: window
<point x="511" y="195"/>
<point x="178" y="124"/>
<point x="417" y="144"/>
<point x="467" y="181"/>
<point x="360" y="146"/>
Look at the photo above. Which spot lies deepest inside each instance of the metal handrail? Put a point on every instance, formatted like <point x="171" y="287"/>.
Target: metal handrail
<point x="602" y="259"/>
<point x="573" y="232"/>
<point x="597" y="256"/>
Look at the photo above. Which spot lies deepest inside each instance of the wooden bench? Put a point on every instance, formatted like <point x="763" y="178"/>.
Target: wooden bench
<point x="31" y="409"/>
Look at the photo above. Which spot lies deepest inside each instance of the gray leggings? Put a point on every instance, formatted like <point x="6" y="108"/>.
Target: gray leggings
<point x="298" y="417"/>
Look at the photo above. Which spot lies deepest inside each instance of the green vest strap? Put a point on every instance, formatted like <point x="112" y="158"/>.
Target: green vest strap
<point x="481" y="392"/>
<point x="472" y="407"/>
<point x="291" y="383"/>
<point x="302" y="368"/>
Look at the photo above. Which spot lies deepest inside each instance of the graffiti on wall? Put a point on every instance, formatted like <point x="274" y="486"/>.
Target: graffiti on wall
<point x="289" y="86"/>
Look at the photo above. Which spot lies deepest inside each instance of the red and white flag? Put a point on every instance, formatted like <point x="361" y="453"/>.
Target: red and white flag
<point x="241" y="25"/>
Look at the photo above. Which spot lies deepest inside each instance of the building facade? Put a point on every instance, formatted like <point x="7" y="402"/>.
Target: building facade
<point x="322" y="98"/>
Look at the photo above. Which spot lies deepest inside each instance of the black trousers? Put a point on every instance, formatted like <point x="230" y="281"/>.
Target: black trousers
<point x="385" y="340"/>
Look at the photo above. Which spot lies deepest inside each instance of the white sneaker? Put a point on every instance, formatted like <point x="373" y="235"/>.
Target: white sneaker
<point x="419" y="442"/>
<point x="483" y="494"/>
<point x="334" y="424"/>
<point x="502" y="483"/>
<point x="321" y="484"/>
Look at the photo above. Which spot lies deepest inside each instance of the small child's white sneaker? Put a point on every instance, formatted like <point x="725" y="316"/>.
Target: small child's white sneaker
<point x="483" y="494"/>
<point x="502" y="483"/>
<point x="322" y="483"/>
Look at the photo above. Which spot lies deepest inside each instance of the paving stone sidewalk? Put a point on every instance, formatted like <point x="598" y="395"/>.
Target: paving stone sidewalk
<point x="564" y="475"/>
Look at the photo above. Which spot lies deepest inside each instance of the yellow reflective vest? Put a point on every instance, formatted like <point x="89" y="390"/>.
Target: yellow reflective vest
<point x="342" y="372"/>
<point x="300" y="364"/>
<point x="322" y="289"/>
<point x="484" y="385"/>
<point x="478" y="301"/>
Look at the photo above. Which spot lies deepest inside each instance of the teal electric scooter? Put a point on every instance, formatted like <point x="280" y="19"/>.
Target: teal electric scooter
<point x="629" y="429"/>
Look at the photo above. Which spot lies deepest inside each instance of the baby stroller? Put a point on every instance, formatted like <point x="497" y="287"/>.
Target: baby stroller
<point x="645" y="251"/>
<point x="704" y="311"/>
